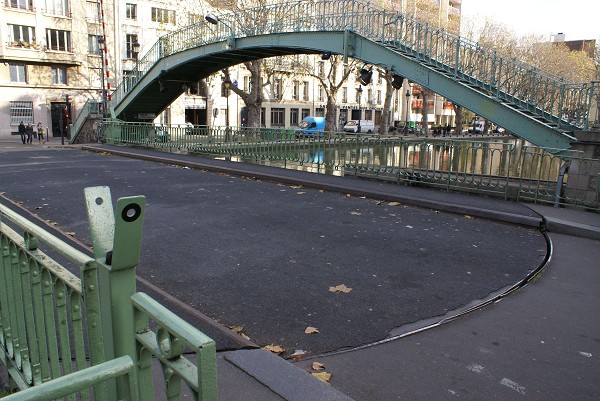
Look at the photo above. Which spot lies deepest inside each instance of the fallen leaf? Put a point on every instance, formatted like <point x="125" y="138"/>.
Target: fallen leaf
<point x="276" y="349"/>
<point x="71" y="233"/>
<point x="311" y="330"/>
<point x="469" y="217"/>
<point x="300" y="193"/>
<point x="355" y="213"/>
<point x="296" y="187"/>
<point x="379" y="202"/>
<point x="318" y="366"/>
<point x="321" y="191"/>
<point x="348" y="195"/>
<point x="394" y="203"/>
<point x="38" y="207"/>
<point x="323" y="376"/>
<point x="237" y="329"/>
<point x="340" y="288"/>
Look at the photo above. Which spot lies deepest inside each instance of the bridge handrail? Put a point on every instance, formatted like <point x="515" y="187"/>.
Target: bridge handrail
<point x="537" y="91"/>
<point x="56" y="327"/>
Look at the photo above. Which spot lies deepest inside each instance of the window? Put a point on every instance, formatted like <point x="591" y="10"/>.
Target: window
<point x="57" y="7"/>
<point x="358" y="95"/>
<point x="92" y="9"/>
<point x="344" y="95"/>
<point x="277" y="88"/>
<point x="131" y="11"/>
<point x="305" y="113"/>
<point x="296" y="93"/>
<point x="58" y="40"/>
<point x="21" y="4"/>
<point x="21" y="35"/>
<point x="59" y="75"/>
<point x="163" y="16"/>
<point x="322" y="70"/>
<point x="370" y="95"/>
<point x="93" y="44"/>
<point x="194" y="18"/>
<point x="18" y="73"/>
<point x="246" y="84"/>
<point x="305" y="92"/>
<point x="277" y="117"/>
<point x="321" y="95"/>
<point x="130" y="39"/>
<point x="378" y="97"/>
<point x="21" y="111"/>
<point x="293" y="117"/>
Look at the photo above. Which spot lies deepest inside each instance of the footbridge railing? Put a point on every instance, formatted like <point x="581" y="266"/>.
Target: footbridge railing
<point x="498" y="165"/>
<point x="563" y="104"/>
<point x="92" y="337"/>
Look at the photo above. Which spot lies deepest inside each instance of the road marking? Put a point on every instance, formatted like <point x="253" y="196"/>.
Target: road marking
<point x="512" y="385"/>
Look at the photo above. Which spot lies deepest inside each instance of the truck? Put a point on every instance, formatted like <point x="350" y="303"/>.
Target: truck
<point x="365" y="126"/>
<point x="310" y="126"/>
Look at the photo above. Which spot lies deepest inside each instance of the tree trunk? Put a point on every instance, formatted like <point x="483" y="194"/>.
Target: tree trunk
<point x="387" y="103"/>
<point x="458" y="111"/>
<point x="330" y="113"/>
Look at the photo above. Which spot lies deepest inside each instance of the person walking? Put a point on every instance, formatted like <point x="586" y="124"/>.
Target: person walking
<point x="40" y="132"/>
<point x="29" y="132"/>
<point x="22" y="132"/>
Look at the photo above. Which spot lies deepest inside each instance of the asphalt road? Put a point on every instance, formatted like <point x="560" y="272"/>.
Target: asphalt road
<point x="262" y="256"/>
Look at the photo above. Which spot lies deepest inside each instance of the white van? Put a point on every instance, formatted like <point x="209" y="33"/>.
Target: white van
<point x="365" y="126"/>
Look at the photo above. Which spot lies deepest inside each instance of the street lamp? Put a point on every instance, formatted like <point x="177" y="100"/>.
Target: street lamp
<point x="213" y="19"/>
<point x="102" y="48"/>
<point x="407" y="110"/>
<point x="135" y="49"/>
<point x="359" y="91"/>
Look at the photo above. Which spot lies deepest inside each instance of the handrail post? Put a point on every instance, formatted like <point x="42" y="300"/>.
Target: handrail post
<point x="116" y="240"/>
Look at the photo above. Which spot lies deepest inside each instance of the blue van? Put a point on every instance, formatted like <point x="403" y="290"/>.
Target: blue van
<point x="310" y="126"/>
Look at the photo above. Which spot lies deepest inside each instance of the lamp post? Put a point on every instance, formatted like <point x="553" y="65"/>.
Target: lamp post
<point x="359" y="91"/>
<point x="213" y="19"/>
<point x="227" y="84"/>
<point x="407" y="110"/>
<point x="102" y="47"/>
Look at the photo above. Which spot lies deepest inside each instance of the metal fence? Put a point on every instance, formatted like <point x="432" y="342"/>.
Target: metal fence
<point x="93" y="336"/>
<point x="540" y="93"/>
<point x="499" y="165"/>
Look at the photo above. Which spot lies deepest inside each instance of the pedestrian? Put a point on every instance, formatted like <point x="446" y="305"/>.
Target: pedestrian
<point x="22" y="132"/>
<point x="40" y="132"/>
<point x="29" y="132"/>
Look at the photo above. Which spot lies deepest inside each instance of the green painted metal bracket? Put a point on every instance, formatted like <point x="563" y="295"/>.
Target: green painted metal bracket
<point x="101" y="219"/>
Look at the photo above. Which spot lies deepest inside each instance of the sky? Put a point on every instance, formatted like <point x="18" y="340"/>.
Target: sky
<point x="577" y="19"/>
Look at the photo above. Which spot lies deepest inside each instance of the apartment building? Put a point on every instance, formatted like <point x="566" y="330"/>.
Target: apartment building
<point x="49" y="61"/>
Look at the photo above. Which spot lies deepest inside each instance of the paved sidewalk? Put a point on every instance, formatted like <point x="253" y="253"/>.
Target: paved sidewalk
<point x="542" y="342"/>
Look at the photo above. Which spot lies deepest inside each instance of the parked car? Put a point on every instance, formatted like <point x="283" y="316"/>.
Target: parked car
<point x="161" y="133"/>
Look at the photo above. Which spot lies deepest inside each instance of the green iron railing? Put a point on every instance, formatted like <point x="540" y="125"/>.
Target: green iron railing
<point x="93" y="337"/>
<point x="563" y="104"/>
<point x="500" y="166"/>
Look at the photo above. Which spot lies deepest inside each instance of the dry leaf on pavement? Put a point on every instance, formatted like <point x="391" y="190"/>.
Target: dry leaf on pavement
<point x="311" y="330"/>
<point x="276" y="349"/>
<point x="394" y="203"/>
<point x="340" y="288"/>
<point x="355" y="213"/>
<point x="317" y="366"/>
<point x="323" y="376"/>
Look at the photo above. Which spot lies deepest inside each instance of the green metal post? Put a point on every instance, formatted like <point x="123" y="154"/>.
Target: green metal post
<point x="120" y="262"/>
